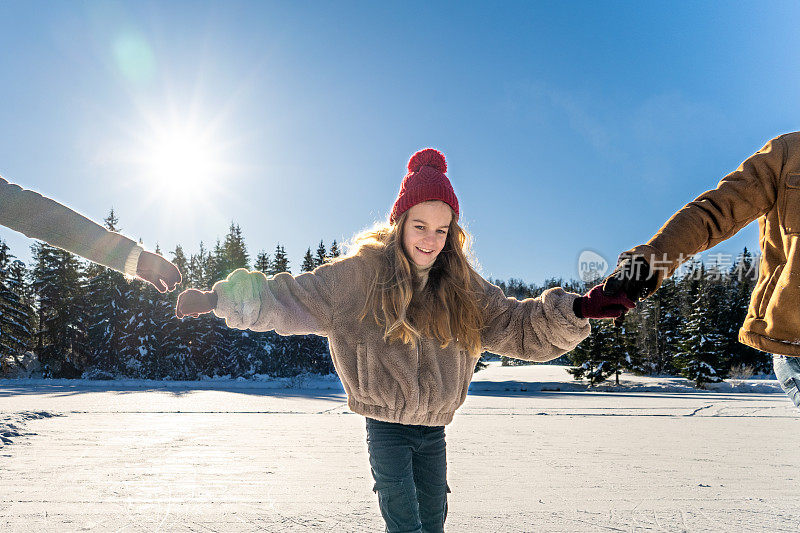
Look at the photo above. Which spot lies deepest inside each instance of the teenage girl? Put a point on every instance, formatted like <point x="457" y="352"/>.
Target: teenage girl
<point x="407" y="318"/>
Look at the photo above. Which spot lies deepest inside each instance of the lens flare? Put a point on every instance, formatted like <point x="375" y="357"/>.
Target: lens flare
<point x="134" y="58"/>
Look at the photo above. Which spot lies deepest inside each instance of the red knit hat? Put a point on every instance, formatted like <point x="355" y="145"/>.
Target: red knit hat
<point x="425" y="181"/>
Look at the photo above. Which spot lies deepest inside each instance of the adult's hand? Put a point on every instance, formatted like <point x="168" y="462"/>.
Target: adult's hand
<point x="632" y="278"/>
<point x="194" y="303"/>
<point x="596" y="304"/>
<point x="158" y="272"/>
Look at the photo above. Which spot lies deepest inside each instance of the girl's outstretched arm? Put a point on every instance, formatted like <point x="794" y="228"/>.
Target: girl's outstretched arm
<point x="534" y="329"/>
<point x="291" y="305"/>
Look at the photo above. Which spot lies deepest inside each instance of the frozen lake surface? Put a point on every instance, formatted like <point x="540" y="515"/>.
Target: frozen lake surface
<point x="529" y="451"/>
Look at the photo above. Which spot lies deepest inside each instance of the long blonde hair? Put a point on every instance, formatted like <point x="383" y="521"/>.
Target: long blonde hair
<point x="447" y="308"/>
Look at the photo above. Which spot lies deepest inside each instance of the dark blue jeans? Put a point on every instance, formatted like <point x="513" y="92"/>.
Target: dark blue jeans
<point x="409" y="466"/>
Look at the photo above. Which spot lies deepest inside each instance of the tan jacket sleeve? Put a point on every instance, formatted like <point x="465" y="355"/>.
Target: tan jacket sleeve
<point x="741" y="197"/>
<point x="291" y="305"/>
<point x="534" y="329"/>
<point x="39" y="217"/>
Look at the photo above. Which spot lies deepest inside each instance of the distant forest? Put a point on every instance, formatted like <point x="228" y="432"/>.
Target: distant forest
<point x="83" y="320"/>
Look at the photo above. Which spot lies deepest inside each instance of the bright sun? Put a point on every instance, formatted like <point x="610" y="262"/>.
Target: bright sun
<point x="181" y="158"/>
<point x="181" y="162"/>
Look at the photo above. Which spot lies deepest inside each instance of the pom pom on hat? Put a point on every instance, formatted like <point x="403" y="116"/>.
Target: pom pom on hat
<point x="425" y="181"/>
<point x="428" y="157"/>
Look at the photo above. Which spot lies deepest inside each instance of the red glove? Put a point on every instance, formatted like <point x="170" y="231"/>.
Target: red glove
<point x="596" y="304"/>
<point x="192" y="302"/>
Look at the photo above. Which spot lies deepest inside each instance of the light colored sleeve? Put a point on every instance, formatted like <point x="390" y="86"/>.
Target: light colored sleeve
<point x="533" y="329"/>
<point x="290" y="305"/>
<point x="39" y="217"/>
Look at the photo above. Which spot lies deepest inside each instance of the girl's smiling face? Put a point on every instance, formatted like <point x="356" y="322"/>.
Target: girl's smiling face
<point x="425" y="231"/>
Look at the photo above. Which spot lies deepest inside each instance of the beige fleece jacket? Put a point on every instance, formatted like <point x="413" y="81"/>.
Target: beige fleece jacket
<point x="420" y="384"/>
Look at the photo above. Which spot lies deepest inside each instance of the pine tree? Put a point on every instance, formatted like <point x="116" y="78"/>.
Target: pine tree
<point x="591" y="356"/>
<point x="280" y="263"/>
<point x="308" y="262"/>
<point x="197" y="268"/>
<point x="743" y="277"/>
<point x="658" y="330"/>
<point x="701" y="356"/>
<point x="334" y="253"/>
<point x="322" y="254"/>
<point x="234" y="252"/>
<point x="15" y="311"/>
<point x="106" y="312"/>
<point x="625" y="354"/>
<point x="215" y="266"/>
<point x="235" y="352"/>
<point x="131" y="351"/>
<point x="56" y="282"/>
<point x="177" y="334"/>
<point x="262" y="262"/>
<point x="143" y="339"/>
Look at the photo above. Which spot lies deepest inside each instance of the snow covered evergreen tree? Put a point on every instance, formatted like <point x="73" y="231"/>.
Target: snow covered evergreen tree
<point x="16" y="312"/>
<point x="57" y="285"/>
<point x="144" y="341"/>
<point x="701" y="354"/>
<point x="105" y="312"/>
<point x="177" y="335"/>
<point x="743" y="276"/>
<point x="658" y="333"/>
<point x="591" y="356"/>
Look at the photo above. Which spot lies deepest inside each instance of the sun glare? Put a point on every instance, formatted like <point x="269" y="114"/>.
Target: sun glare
<point x="178" y="162"/>
<point x="181" y="159"/>
<point x="182" y="162"/>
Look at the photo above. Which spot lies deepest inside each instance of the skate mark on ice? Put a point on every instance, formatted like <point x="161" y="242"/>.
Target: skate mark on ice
<point x="700" y="409"/>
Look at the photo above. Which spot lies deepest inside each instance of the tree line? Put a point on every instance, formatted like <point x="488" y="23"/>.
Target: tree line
<point x="86" y="320"/>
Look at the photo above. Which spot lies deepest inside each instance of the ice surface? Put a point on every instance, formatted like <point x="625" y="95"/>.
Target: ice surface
<point x="529" y="451"/>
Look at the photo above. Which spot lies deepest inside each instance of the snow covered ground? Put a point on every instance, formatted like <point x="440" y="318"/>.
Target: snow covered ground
<point x="529" y="451"/>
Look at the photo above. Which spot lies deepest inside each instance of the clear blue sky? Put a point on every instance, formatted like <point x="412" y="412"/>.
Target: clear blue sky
<point x="566" y="125"/>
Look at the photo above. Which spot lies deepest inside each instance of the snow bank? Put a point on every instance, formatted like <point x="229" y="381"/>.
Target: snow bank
<point x="543" y="378"/>
<point x="259" y="381"/>
<point x="495" y="379"/>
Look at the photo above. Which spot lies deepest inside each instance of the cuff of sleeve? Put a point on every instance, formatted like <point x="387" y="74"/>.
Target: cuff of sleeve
<point x="223" y="307"/>
<point x="567" y="329"/>
<point x="238" y="300"/>
<point x="132" y="262"/>
<point x="226" y="309"/>
<point x="567" y="308"/>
